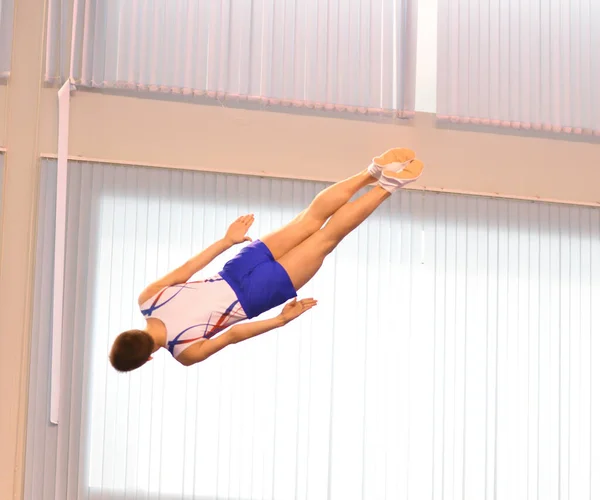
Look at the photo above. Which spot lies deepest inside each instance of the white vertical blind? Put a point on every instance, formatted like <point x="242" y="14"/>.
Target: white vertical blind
<point x="58" y="41"/>
<point x="520" y="63"/>
<point x="6" y="31"/>
<point x="452" y="354"/>
<point x="347" y="55"/>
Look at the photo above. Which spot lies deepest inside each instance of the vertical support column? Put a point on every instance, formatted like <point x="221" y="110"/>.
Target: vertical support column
<point x="64" y="102"/>
<point x="16" y="263"/>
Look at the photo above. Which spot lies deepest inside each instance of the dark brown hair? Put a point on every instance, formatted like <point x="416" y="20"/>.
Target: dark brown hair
<point x="131" y="349"/>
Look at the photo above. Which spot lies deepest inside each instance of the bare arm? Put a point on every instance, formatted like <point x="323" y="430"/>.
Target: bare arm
<point x="235" y="234"/>
<point x="239" y="333"/>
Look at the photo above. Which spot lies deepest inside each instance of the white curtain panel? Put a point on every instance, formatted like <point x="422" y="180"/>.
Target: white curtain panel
<point x="58" y="40"/>
<point x="328" y="54"/>
<point x="520" y="63"/>
<point x="453" y="353"/>
<point x="6" y="31"/>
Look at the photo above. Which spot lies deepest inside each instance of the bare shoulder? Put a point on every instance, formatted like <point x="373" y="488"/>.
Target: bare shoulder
<point x="193" y="354"/>
<point x="204" y="349"/>
<point x="149" y="292"/>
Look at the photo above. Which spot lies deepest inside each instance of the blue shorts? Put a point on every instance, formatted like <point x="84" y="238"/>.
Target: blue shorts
<point x="259" y="281"/>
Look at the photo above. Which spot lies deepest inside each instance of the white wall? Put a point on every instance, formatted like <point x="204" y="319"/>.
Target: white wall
<point x="21" y="115"/>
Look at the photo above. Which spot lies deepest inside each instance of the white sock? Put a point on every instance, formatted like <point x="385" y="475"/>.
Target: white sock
<point x="391" y="184"/>
<point x="376" y="170"/>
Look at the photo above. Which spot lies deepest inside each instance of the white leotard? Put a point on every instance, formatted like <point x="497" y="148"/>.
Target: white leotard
<point x="194" y="311"/>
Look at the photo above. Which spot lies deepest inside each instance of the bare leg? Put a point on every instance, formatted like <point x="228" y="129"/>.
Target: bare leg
<point x="325" y="204"/>
<point x="304" y="261"/>
<point x="330" y="200"/>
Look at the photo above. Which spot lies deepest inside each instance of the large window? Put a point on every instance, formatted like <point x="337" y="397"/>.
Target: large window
<point x="520" y="64"/>
<point x="346" y="55"/>
<point x="451" y="355"/>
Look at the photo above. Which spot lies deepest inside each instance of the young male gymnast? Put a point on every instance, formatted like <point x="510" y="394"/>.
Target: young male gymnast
<point x="185" y="316"/>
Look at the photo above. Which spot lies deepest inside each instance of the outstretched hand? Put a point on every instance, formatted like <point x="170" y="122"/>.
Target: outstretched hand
<point x="295" y="308"/>
<point x="238" y="229"/>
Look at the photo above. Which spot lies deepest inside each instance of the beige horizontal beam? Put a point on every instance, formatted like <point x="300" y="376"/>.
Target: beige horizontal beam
<point x="131" y="129"/>
<point x="83" y="159"/>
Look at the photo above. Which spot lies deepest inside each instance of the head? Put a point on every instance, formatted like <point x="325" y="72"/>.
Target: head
<point x="131" y="349"/>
